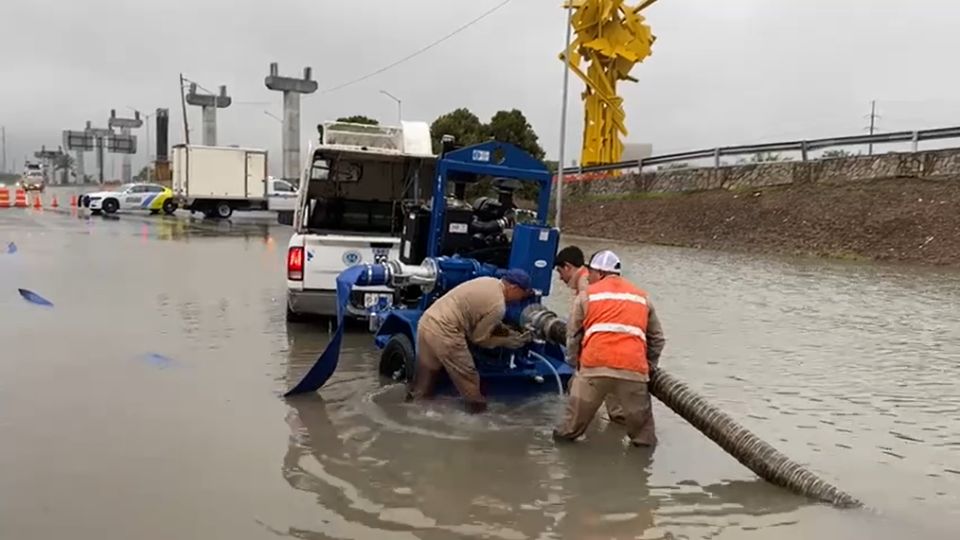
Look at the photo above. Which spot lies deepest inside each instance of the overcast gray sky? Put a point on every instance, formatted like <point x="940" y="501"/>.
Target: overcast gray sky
<point x="722" y="72"/>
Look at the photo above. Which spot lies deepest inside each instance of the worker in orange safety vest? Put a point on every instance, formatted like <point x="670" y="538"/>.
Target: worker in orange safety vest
<point x="620" y="341"/>
<point x="573" y="271"/>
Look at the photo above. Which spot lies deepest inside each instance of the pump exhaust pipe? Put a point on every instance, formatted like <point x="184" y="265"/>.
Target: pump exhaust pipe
<point x="758" y="456"/>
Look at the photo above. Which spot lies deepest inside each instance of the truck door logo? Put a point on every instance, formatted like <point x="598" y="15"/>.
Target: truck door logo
<point x="351" y="257"/>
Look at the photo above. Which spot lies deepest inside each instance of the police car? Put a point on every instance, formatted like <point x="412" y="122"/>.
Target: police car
<point x="145" y="196"/>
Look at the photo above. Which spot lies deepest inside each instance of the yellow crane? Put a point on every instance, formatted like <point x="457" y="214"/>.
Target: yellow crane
<point x="611" y="37"/>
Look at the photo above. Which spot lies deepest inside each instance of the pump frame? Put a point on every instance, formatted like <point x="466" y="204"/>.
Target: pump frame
<point x="486" y="159"/>
<point x="501" y="371"/>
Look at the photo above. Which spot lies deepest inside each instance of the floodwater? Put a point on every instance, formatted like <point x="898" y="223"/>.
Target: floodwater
<point x="146" y="403"/>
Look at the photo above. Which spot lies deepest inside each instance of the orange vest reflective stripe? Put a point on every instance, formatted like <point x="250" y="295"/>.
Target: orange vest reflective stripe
<point x="614" y="329"/>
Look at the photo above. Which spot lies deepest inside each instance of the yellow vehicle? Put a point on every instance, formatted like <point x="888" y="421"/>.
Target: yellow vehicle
<point x="154" y="198"/>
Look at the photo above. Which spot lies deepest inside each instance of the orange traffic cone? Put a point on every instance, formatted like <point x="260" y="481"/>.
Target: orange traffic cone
<point x="21" y="201"/>
<point x="4" y="198"/>
<point x="54" y="204"/>
<point x="36" y="203"/>
<point x="73" y="201"/>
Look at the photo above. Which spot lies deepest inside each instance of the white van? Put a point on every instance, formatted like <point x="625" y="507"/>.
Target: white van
<point x="353" y="196"/>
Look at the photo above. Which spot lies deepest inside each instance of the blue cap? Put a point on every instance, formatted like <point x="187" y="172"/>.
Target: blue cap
<point x="518" y="277"/>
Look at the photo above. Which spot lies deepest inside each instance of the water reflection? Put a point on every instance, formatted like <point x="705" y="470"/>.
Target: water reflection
<point x="383" y="468"/>
<point x="177" y="228"/>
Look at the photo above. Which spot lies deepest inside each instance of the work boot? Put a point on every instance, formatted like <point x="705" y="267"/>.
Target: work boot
<point x="475" y="407"/>
<point x="645" y="443"/>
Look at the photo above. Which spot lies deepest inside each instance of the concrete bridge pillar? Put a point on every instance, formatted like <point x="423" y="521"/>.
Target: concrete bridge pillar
<point x="292" y="88"/>
<point x="209" y="103"/>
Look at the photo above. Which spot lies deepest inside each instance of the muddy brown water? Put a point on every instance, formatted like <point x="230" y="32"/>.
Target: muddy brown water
<point x="146" y="403"/>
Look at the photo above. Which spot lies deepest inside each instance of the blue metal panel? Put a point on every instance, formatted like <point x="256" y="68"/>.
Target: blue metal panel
<point x="456" y="270"/>
<point x="491" y="158"/>
<point x="495" y="157"/>
<point x="534" y="249"/>
<point x="399" y="321"/>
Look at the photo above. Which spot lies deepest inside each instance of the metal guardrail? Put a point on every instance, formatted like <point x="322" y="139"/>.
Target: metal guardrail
<point x="802" y="146"/>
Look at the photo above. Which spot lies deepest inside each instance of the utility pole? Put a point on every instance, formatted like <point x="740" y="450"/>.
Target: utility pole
<point x="183" y="103"/>
<point x="3" y="157"/>
<point x="563" y="112"/>
<point x="872" y="128"/>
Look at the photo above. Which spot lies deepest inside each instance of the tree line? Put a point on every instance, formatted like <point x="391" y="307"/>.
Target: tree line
<point x="505" y="126"/>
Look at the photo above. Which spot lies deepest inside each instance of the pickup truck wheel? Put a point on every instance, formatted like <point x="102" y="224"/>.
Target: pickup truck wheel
<point x="294" y="317"/>
<point x="223" y="210"/>
<point x="169" y="207"/>
<point x="397" y="359"/>
<point x="110" y="206"/>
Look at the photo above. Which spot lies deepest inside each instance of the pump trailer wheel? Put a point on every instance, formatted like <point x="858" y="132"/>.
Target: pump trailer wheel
<point x="397" y="358"/>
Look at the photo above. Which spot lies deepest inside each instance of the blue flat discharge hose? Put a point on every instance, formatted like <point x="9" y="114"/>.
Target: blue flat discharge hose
<point x="326" y="364"/>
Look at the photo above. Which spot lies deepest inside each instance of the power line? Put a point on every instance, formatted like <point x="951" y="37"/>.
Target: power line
<point x="420" y="51"/>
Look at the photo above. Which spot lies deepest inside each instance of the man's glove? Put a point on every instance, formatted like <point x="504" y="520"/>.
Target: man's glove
<point x="516" y="340"/>
<point x="500" y="331"/>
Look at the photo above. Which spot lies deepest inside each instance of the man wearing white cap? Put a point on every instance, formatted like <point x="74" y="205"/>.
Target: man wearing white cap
<point x="621" y="342"/>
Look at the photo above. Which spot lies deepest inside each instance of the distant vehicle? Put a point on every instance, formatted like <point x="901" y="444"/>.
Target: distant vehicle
<point x="145" y="196"/>
<point x="350" y="209"/>
<point x="32" y="178"/>
<point x="218" y="180"/>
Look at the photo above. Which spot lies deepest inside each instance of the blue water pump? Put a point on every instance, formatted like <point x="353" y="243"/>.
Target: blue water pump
<point x="448" y="242"/>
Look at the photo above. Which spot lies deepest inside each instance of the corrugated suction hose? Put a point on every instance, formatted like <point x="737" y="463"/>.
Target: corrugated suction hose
<point x="758" y="456"/>
<point x="755" y="454"/>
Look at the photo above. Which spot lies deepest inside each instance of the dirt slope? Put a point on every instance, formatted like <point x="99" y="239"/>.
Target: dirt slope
<point x="897" y="219"/>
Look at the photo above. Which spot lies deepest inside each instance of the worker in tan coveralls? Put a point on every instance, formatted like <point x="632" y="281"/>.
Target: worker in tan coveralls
<point x="572" y="270"/>
<point x="472" y="311"/>
<point x="621" y="342"/>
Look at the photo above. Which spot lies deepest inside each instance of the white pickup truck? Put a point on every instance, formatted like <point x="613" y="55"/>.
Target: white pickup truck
<point x="350" y="210"/>
<point x="216" y="180"/>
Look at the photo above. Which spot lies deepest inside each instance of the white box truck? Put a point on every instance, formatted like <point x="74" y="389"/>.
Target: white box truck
<point x="216" y="180"/>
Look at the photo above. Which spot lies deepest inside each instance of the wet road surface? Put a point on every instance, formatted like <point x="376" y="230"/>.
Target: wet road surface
<point x="146" y="402"/>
